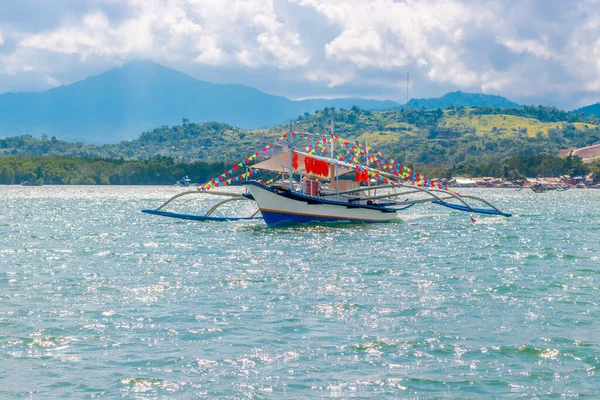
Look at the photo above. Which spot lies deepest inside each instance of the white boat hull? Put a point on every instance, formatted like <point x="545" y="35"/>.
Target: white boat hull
<point x="278" y="209"/>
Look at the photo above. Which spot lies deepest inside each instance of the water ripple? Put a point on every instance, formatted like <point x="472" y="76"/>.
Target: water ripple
<point x="99" y="300"/>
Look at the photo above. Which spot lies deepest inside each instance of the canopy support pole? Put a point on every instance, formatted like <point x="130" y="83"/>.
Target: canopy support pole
<point x="291" y="147"/>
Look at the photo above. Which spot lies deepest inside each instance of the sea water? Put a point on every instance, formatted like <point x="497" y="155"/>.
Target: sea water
<point x="98" y="300"/>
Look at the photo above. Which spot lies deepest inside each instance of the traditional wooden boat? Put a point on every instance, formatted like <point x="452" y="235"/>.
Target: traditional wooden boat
<point x="185" y="181"/>
<point x="316" y="184"/>
<point x="29" y="183"/>
<point x="541" y="188"/>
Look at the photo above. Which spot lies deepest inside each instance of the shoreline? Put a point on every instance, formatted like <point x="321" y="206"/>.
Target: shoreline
<point x="596" y="186"/>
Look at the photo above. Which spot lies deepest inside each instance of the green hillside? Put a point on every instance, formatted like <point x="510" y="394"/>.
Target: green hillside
<point x="423" y="138"/>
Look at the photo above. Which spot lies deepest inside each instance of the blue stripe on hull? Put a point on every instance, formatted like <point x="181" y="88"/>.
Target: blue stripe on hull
<point x="273" y="218"/>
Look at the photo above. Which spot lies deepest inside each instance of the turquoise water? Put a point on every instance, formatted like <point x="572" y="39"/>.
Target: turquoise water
<point x="98" y="300"/>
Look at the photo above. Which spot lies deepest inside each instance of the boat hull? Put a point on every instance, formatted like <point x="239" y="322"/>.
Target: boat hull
<point x="289" y="209"/>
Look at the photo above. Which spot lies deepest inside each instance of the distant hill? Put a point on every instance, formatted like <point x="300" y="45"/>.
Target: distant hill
<point x="426" y="138"/>
<point x="593" y="109"/>
<point x="458" y="99"/>
<point x="140" y="95"/>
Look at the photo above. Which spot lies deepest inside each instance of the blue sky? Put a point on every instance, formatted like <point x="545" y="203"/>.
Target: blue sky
<point x="531" y="51"/>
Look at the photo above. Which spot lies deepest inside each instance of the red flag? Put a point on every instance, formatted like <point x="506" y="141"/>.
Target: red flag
<point x="316" y="166"/>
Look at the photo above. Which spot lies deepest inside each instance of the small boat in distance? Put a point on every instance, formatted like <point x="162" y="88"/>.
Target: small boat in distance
<point x="185" y="182"/>
<point x="317" y="184"/>
<point x="28" y="183"/>
<point x="541" y="188"/>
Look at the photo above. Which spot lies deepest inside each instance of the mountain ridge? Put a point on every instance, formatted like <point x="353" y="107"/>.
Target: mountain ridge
<point x="592" y="109"/>
<point x="122" y="102"/>
<point x="459" y="98"/>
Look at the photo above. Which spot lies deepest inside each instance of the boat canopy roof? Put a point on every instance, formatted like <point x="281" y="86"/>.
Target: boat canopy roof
<point x="281" y="163"/>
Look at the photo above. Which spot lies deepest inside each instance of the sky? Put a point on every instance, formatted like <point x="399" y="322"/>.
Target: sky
<point x="531" y="51"/>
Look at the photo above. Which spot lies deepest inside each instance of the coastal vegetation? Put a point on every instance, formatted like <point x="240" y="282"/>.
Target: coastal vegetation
<point x="86" y="171"/>
<point x="162" y="170"/>
<point x="421" y="138"/>
<point x="520" y="167"/>
<point x="500" y="142"/>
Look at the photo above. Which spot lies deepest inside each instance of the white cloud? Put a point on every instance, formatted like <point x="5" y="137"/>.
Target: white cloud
<point x="331" y="78"/>
<point x="52" y="81"/>
<point x="208" y="32"/>
<point x="540" y="50"/>
<point x="399" y="35"/>
<point x="93" y="35"/>
<point x="543" y="50"/>
<point x="458" y="43"/>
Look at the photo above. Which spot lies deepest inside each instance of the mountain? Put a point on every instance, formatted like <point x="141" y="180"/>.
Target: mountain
<point x="593" y="109"/>
<point x="459" y="98"/>
<point x="140" y="95"/>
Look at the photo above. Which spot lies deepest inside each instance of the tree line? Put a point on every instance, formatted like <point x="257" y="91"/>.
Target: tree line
<point x="88" y="171"/>
<point x="165" y="171"/>
<point x="520" y="167"/>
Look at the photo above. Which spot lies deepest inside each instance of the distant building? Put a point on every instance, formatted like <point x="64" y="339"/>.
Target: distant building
<point x="590" y="179"/>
